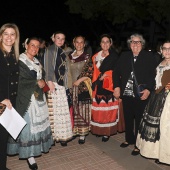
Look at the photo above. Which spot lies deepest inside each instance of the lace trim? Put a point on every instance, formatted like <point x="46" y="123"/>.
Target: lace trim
<point x="160" y="69"/>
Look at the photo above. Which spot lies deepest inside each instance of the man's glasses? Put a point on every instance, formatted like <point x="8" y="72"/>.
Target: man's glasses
<point x="135" y="42"/>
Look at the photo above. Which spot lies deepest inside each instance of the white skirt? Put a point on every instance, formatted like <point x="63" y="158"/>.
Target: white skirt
<point x="60" y="118"/>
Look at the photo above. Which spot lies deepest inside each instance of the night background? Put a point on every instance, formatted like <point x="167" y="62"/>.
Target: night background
<point x="90" y="18"/>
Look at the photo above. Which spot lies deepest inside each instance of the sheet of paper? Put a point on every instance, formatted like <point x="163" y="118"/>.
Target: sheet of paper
<point x="12" y="122"/>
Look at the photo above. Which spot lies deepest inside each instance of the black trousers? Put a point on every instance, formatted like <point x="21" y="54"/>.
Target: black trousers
<point x="133" y="110"/>
<point x="3" y="147"/>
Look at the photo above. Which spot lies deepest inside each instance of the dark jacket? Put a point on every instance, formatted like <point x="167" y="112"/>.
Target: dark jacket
<point x="145" y="70"/>
<point x="9" y="72"/>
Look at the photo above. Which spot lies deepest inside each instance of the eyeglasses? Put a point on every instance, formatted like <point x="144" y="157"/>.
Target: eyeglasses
<point x="105" y="42"/>
<point x="135" y="42"/>
<point x="165" y="49"/>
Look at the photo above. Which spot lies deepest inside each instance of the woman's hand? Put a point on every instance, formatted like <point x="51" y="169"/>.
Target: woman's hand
<point x="76" y="83"/>
<point x="41" y="83"/>
<point x="102" y="77"/>
<point x="145" y="95"/>
<point x="51" y="86"/>
<point x="116" y="92"/>
<point x="8" y="103"/>
<point x="167" y="87"/>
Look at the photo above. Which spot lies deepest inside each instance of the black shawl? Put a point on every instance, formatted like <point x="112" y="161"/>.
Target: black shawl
<point x="26" y="87"/>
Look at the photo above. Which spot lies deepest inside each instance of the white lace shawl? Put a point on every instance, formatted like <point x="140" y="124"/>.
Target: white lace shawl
<point x="32" y="65"/>
<point x="99" y="59"/>
<point x="160" y="69"/>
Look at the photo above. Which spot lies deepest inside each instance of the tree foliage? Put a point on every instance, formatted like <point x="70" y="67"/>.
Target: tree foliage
<point x="119" y="17"/>
<point x="120" y="11"/>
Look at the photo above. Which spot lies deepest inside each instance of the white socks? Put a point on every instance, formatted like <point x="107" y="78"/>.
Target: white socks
<point x="82" y="137"/>
<point x="31" y="160"/>
<point x="105" y="136"/>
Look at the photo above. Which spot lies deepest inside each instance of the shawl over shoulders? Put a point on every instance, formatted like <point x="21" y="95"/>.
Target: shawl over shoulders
<point x="26" y="87"/>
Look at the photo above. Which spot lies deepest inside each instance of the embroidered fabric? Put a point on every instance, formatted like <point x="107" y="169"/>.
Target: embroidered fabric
<point x="61" y="68"/>
<point x="159" y="149"/>
<point x="150" y="124"/>
<point x="129" y="86"/>
<point x="61" y="123"/>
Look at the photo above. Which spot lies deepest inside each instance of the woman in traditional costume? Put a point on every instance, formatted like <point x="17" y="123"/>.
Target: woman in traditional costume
<point x="77" y="59"/>
<point x="36" y="136"/>
<point x="59" y="99"/>
<point x="154" y="130"/>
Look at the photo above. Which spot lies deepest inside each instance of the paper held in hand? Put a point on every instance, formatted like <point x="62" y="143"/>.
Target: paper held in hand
<point x="12" y="122"/>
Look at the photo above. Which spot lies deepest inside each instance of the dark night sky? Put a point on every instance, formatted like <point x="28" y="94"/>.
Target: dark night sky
<point x="41" y="19"/>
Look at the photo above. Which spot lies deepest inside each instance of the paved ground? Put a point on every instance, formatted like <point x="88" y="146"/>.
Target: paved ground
<point x="93" y="155"/>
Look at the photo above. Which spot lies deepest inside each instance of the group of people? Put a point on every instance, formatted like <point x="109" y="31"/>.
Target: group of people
<point x="86" y="93"/>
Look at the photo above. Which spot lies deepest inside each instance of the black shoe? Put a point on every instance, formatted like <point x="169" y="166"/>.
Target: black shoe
<point x="105" y="139"/>
<point x="157" y="161"/>
<point x="124" y="145"/>
<point x="74" y="137"/>
<point x="63" y="143"/>
<point x="33" y="166"/>
<point x="135" y="152"/>
<point x="81" y="141"/>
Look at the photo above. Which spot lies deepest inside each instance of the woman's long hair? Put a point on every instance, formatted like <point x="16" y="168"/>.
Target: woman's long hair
<point x="16" y="44"/>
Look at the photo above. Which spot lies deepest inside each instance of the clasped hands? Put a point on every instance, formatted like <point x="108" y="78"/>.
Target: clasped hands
<point x="41" y="83"/>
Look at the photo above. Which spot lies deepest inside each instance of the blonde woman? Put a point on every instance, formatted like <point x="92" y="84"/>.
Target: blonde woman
<point x="9" y="54"/>
<point x="57" y="76"/>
